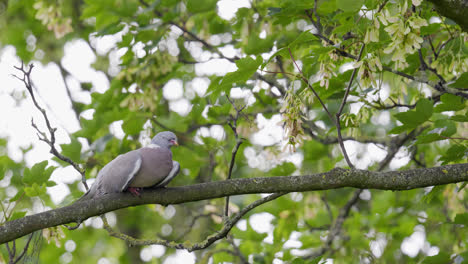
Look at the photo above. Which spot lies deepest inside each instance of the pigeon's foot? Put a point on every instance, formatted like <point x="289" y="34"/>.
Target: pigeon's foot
<point x="135" y="191"/>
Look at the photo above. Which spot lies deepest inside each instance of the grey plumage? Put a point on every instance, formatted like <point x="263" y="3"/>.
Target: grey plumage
<point x="145" y="167"/>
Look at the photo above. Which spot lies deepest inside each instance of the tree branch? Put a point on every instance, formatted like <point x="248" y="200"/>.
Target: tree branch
<point x="336" y="178"/>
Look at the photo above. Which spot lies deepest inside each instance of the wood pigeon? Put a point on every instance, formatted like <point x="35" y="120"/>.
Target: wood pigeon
<point x="150" y="166"/>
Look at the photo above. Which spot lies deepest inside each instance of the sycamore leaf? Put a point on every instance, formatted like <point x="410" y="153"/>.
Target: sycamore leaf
<point x="246" y="67"/>
<point x="413" y="118"/>
<point x="349" y="6"/>
<point x="450" y="102"/>
<point x="38" y="174"/>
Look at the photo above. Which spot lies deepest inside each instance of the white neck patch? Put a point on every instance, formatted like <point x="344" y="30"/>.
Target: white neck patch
<point x="153" y="146"/>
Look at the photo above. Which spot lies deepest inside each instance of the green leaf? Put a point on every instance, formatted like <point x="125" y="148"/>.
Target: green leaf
<point x="257" y="45"/>
<point x="303" y="38"/>
<point x="460" y="118"/>
<point x="72" y="150"/>
<point x="437" y="190"/>
<point x="447" y="127"/>
<point x="17" y="215"/>
<point x="430" y="29"/>
<point x="409" y="118"/>
<point x="17" y="196"/>
<point x="461" y="82"/>
<point x="50" y="183"/>
<point x="283" y="52"/>
<point x="246" y="67"/>
<point x="126" y="40"/>
<point x="5" y="164"/>
<point x="450" y="102"/>
<point x="428" y="138"/>
<point x="35" y="190"/>
<point x="284" y="169"/>
<point x="127" y="57"/>
<point x="442" y="257"/>
<point x="327" y="7"/>
<point x="462" y="186"/>
<point x="461" y="219"/>
<point x="349" y="6"/>
<point x="454" y="153"/>
<point x="133" y="124"/>
<point x="217" y="111"/>
<point x="413" y="118"/>
<point x="38" y="174"/>
<point x="198" y="6"/>
<point x="424" y="107"/>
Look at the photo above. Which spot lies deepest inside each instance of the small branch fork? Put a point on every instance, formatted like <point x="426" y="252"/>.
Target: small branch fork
<point x="336" y="118"/>
<point x="50" y="140"/>
<point x="337" y="225"/>
<point x="228" y="225"/>
<point x="233" y="125"/>
<point x="12" y="251"/>
<point x="190" y="227"/>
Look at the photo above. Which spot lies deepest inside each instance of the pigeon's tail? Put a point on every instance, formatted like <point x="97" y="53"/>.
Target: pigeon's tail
<point x="89" y="194"/>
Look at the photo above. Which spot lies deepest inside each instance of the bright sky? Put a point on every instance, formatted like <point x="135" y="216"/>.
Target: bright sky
<point x="51" y="93"/>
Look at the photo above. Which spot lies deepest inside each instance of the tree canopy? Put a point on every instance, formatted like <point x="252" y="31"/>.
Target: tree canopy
<point x="326" y="131"/>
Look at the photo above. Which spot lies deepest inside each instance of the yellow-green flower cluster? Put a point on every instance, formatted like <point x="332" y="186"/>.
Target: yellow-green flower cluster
<point x="453" y="61"/>
<point x="291" y="113"/>
<point x="367" y="67"/>
<point x="404" y="34"/>
<point x="52" y="17"/>
<point x="372" y="33"/>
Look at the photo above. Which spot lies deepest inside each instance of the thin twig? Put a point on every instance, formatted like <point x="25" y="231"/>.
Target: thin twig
<point x="190" y="226"/>
<point x="327" y="206"/>
<point x="237" y="251"/>
<point x="310" y="86"/>
<point x="424" y="67"/>
<point x="319" y="29"/>
<point x="64" y="72"/>
<point x="50" y="140"/>
<point x="233" y="125"/>
<point x="340" y="110"/>
<point x="353" y="75"/>
<point x="11" y="253"/>
<point x="337" y="225"/>
<point x="25" y="249"/>
<point x="228" y="225"/>
<point x="395" y="145"/>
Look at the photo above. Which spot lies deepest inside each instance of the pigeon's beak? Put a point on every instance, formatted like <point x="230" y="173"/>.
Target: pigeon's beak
<point x="174" y="143"/>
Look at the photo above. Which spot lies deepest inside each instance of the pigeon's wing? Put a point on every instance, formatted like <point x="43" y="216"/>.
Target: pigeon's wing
<point x="156" y="165"/>
<point x="175" y="170"/>
<point x="117" y="175"/>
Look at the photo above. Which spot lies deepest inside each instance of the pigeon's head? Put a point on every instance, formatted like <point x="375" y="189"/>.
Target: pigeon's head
<point x="165" y="139"/>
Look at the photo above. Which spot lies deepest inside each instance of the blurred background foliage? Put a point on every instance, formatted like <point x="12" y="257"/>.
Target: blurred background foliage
<point x="406" y="109"/>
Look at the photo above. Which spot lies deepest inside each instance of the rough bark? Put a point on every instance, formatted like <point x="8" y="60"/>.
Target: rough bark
<point x="336" y="178"/>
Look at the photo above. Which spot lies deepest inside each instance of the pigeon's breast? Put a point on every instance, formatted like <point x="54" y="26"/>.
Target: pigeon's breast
<point x="155" y="166"/>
